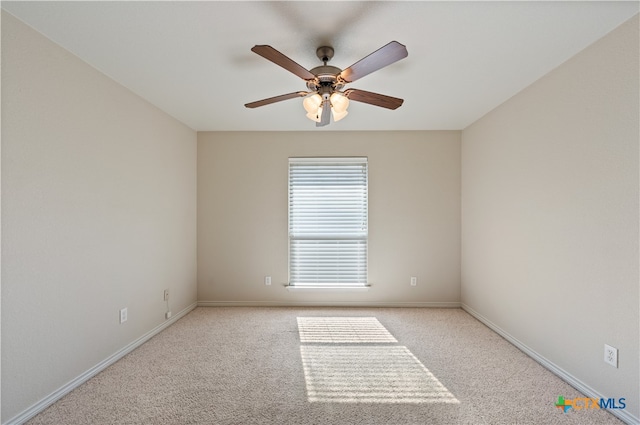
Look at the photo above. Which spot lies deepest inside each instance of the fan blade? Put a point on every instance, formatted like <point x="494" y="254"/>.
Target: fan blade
<point x="271" y="54"/>
<point x="326" y="114"/>
<point x="275" y="99"/>
<point x="382" y="57"/>
<point x="374" y="98"/>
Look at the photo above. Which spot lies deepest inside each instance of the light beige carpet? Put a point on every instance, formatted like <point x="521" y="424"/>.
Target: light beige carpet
<point x="323" y="366"/>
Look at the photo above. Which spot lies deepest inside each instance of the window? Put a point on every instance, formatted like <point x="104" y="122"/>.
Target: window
<point x="328" y="222"/>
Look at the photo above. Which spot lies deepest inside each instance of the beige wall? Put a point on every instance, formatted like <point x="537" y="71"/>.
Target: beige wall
<point x="550" y="215"/>
<point x="98" y="213"/>
<point x="414" y="215"/>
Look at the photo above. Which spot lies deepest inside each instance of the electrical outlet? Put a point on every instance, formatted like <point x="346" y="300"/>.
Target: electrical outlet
<point x="267" y="280"/>
<point x="167" y="315"/>
<point x="611" y="355"/>
<point x="123" y="315"/>
<point x="166" y="295"/>
<point x="414" y="281"/>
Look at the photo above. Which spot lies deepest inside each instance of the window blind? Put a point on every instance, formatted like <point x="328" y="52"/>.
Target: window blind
<point x="328" y="221"/>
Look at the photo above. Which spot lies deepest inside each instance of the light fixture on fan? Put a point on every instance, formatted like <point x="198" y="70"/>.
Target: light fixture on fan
<point x="313" y="104"/>
<point x="325" y="82"/>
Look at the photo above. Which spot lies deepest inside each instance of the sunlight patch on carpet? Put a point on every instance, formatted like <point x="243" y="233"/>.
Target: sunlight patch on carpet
<point x="369" y="374"/>
<point x="357" y="360"/>
<point x="343" y="330"/>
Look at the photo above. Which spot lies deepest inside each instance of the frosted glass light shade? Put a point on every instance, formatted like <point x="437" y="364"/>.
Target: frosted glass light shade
<point x="316" y="115"/>
<point x="337" y="116"/>
<point x="312" y="103"/>
<point x="339" y="102"/>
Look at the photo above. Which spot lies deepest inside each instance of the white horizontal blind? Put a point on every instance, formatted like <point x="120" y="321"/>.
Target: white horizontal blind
<point x="328" y="221"/>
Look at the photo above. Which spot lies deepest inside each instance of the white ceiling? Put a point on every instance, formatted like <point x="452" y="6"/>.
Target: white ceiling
<point x="193" y="59"/>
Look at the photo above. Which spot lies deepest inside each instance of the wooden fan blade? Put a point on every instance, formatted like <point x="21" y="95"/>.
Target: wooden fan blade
<point x="386" y="55"/>
<point x="326" y="114"/>
<point x="271" y="54"/>
<point x="275" y="99"/>
<point x="374" y="98"/>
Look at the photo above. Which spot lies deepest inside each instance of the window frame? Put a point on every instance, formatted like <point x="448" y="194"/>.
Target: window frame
<point x="340" y="286"/>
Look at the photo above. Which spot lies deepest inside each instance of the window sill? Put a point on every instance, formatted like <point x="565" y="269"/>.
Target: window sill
<point x="327" y="288"/>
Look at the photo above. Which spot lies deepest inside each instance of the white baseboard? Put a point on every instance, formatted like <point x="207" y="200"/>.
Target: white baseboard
<point x="623" y="415"/>
<point x="443" y="304"/>
<point x="84" y="377"/>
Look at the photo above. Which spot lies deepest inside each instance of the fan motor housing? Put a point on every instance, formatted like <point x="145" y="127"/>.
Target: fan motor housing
<point x="326" y="72"/>
<point x="326" y="75"/>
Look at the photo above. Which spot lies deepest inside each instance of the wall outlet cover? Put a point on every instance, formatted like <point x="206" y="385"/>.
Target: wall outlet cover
<point x="611" y="355"/>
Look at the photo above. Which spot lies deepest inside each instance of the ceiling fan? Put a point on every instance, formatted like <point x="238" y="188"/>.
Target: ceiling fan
<point x="325" y="82"/>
